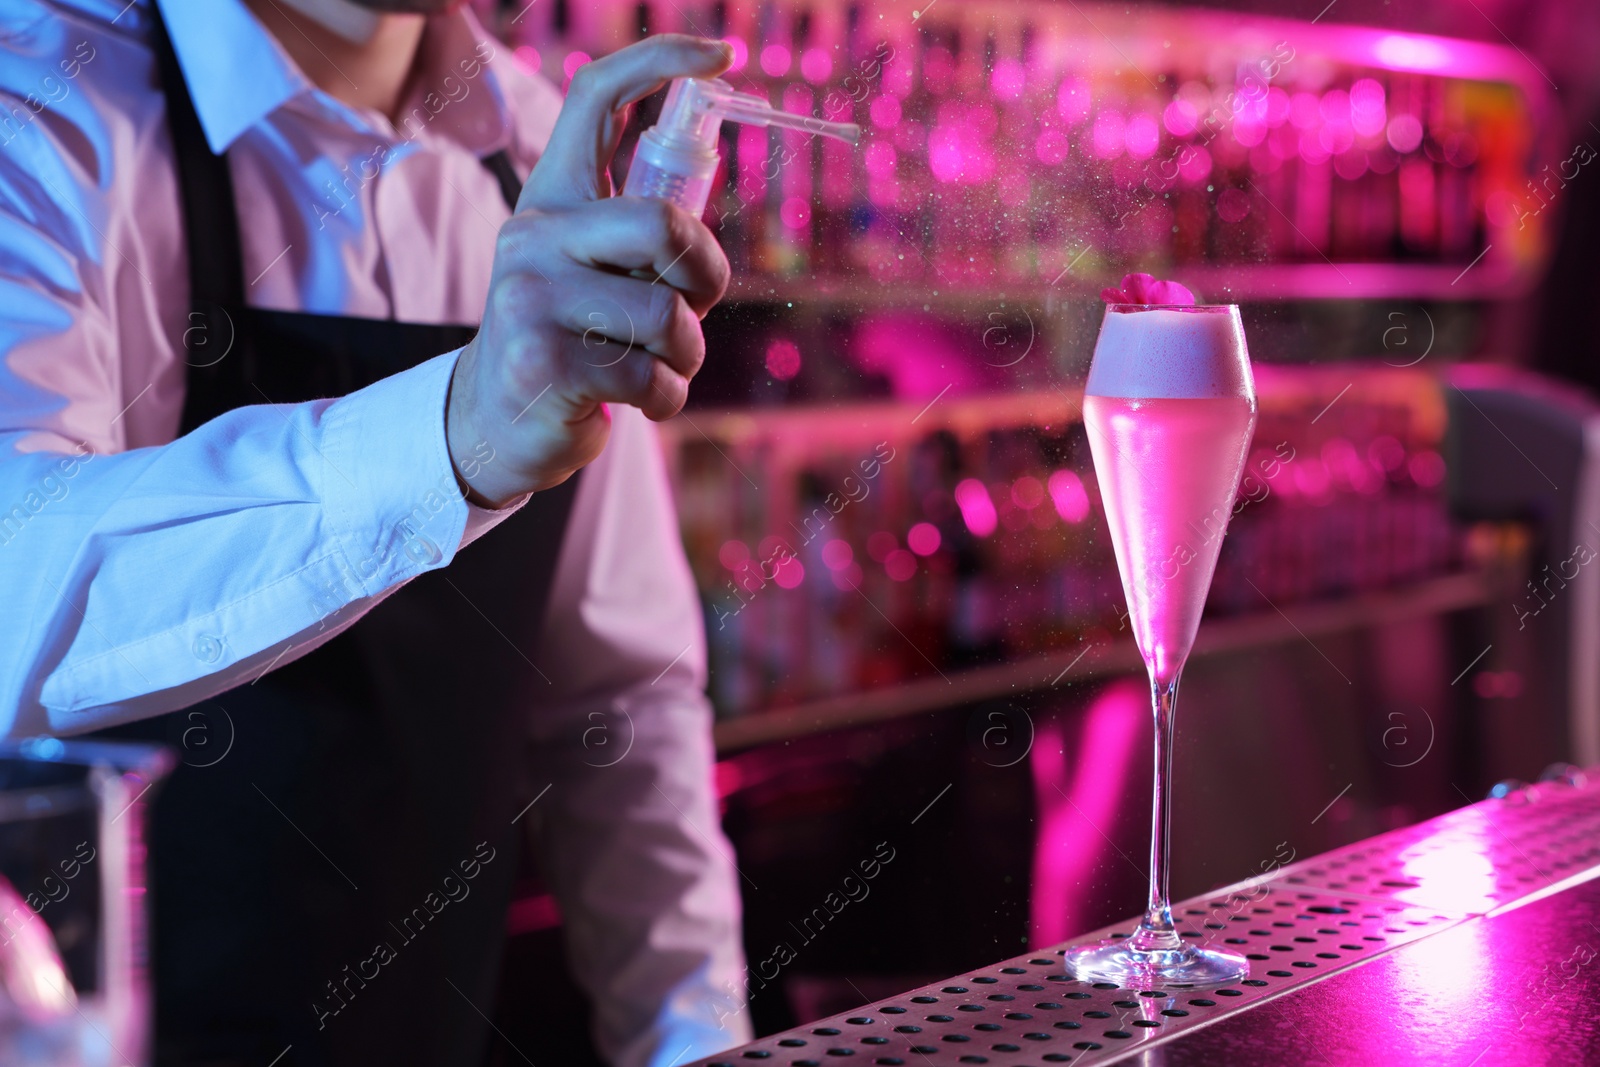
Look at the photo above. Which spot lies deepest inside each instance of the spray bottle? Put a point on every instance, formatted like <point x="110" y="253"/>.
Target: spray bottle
<point x="677" y="157"/>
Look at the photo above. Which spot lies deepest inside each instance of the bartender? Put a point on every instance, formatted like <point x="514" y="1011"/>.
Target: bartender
<point x="416" y="583"/>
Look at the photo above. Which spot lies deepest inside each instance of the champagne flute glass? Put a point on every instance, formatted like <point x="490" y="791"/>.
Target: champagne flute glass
<point x="1170" y="408"/>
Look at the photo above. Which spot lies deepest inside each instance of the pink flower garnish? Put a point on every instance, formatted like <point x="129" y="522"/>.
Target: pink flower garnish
<point x="1146" y="289"/>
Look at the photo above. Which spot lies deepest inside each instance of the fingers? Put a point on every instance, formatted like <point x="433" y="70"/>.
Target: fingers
<point x="612" y="316"/>
<point x="625" y="234"/>
<point x="597" y="338"/>
<point x="626" y="375"/>
<point x="573" y="166"/>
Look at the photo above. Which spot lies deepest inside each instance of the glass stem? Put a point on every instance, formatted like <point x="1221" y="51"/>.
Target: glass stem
<point x="1156" y="933"/>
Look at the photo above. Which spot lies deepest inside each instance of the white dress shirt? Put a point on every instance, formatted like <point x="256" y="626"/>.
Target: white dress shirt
<point x="141" y="573"/>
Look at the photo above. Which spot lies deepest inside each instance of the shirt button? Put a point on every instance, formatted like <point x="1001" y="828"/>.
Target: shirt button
<point x="208" y="648"/>
<point x="420" y="549"/>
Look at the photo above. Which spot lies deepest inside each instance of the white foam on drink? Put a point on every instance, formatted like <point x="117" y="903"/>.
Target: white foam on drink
<point x="1171" y="354"/>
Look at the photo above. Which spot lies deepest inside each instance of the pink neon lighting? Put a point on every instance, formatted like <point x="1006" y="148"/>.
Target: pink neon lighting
<point x="1411" y="53"/>
<point x="1078" y="789"/>
<point x="741" y="52"/>
<point x="977" y="509"/>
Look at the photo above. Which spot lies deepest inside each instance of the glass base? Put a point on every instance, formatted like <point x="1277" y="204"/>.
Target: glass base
<point x="1120" y="963"/>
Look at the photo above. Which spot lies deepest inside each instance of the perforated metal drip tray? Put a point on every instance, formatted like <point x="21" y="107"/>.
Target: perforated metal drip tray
<point x="1028" y="1011"/>
<point x="1025" y="1012"/>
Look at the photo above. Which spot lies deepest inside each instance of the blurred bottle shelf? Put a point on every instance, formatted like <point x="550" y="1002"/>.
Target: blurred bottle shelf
<point x="1030" y="146"/>
<point x="868" y="547"/>
<point x="1263" y="629"/>
<point x="1217" y="285"/>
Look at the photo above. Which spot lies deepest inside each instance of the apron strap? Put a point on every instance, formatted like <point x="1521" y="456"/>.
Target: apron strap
<point x="210" y="222"/>
<point x="210" y="217"/>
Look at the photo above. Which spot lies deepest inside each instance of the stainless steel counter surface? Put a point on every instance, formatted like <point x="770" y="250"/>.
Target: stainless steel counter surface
<point x="1469" y="940"/>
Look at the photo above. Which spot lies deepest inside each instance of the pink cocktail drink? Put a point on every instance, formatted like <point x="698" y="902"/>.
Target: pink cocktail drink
<point x="1169" y="469"/>
<point x="1170" y="407"/>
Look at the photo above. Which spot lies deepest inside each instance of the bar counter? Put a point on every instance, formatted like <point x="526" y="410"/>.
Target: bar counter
<point x="1470" y="939"/>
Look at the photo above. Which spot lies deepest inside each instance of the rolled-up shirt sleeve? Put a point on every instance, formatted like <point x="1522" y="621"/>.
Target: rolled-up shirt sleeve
<point x="140" y="580"/>
<point x="629" y="830"/>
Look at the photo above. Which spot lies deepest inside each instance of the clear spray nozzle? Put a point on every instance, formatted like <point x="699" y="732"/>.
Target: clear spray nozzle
<point x="677" y="157"/>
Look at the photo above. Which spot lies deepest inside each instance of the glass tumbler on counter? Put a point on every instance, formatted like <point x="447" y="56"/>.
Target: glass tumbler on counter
<point x="1170" y="409"/>
<point x="74" y="989"/>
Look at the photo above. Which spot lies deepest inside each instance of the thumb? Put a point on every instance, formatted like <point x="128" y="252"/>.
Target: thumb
<point x="572" y="168"/>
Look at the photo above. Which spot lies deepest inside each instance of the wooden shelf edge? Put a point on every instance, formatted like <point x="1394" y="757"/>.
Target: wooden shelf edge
<point x="1263" y="629"/>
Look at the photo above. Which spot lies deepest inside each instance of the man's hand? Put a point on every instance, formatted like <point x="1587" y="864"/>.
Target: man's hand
<point x="593" y="298"/>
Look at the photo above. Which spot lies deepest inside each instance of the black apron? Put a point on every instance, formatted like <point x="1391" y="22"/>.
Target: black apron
<point x="310" y="888"/>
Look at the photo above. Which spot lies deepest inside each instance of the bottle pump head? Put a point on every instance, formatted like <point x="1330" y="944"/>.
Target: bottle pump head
<point x="677" y="157"/>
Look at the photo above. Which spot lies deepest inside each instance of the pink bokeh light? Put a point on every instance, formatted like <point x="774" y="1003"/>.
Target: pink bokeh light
<point x="1141" y="136"/>
<point x="1368" y="115"/>
<point x="1027" y="492"/>
<point x="977" y="508"/>
<point x="1072" y="100"/>
<point x="1069" y="496"/>
<point x="733" y="554"/>
<point x="1008" y="78"/>
<point x="900" y="565"/>
<point x="783" y="359"/>
<point x="1405" y="133"/>
<point x="1106" y="137"/>
<point x="1180" y="117"/>
<point x="775" y="60"/>
<point x="1194" y="164"/>
<point x="1051" y="147"/>
<point x="884" y="111"/>
<point x="923" y="538"/>
<point x="816" y="65"/>
<point x="795" y="212"/>
<point x="879" y="159"/>
<point x="837" y="554"/>
<point x="789" y="573"/>
<point x="1426" y="468"/>
<point x="574" y="60"/>
<point x="528" y="58"/>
